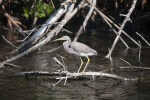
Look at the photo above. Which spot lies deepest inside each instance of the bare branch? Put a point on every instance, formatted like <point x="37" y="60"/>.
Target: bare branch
<point x="96" y="74"/>
<point x="52" y="4"/>
<point x="143" y="38"/>
<point x="125" y="61"/>
<point x="9" y="42"/>
<point x="140" y="52"/>
<point x="135" y="67"/>
<point x="71" y="75"/>
<point x="85" y="21"/>
<point x="122" y="26"/>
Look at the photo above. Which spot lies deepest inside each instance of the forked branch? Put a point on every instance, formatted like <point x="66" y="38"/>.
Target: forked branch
<point x="122" y="26"/>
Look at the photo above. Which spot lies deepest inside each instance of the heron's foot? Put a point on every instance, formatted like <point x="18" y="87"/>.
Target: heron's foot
<point x="83" y="72"/>
<point x="78" y="71"/>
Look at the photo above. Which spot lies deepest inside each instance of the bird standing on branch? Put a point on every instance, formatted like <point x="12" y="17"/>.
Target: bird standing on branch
<point x="79" y="49"/>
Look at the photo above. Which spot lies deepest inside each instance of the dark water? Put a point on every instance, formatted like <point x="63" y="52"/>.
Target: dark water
<point x="14" y="87"/>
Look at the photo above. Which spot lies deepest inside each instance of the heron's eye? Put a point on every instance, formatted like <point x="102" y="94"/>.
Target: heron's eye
<point x="69" y="46"/>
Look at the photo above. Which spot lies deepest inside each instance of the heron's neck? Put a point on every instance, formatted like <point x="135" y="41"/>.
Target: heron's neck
<point x="67" y="46"/>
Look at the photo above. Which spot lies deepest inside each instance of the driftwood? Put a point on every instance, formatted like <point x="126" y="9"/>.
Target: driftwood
<point x="64" y="74"/>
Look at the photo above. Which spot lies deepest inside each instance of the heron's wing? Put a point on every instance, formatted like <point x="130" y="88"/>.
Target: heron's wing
<point x="82" y="48"/>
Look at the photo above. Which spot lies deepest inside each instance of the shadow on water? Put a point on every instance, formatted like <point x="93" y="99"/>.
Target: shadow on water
<point x="32" y="88"/>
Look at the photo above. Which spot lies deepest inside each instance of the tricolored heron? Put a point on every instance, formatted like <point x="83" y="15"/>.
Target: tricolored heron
<point x="79" y="49"/>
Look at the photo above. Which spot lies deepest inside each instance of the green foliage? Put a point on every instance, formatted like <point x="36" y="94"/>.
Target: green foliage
<point x="37" y="8"/>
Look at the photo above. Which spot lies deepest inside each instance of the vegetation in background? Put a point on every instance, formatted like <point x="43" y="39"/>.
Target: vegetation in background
<point x="37" y="8"/>
<point x="13" y="13"/>
<point x="25" y="13"/>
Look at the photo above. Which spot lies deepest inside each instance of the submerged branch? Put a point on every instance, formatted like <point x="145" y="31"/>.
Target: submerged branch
<point x="67" y="74"/>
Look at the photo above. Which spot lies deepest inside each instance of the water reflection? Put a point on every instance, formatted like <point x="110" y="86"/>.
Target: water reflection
<point x="19" y="88"/>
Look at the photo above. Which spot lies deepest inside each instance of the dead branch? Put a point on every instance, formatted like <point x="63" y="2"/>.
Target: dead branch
<point x="122" y="26"/>
<point x="85" y="21"/>
<point x="9" y="42"/>
<point x="125" y="61"/>
<point x="140" y="52"/>
<point x="27" y="35"/>
<point x="73" y="75"/>
<point x="52" y="4"/>
<point x="135" y="67"/>
<point x="143" y="38"/>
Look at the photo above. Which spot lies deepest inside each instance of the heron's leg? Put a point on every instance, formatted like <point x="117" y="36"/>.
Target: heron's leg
<point x="80" y="65"/>
<point x="86" y="63"/>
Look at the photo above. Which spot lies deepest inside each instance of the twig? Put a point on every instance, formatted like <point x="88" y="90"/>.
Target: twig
<point x="27" y="36"/>
<point x="59" y="62"/>
<point x="140" y="53"/>
<point x="110" y="58"/>
<point x="65" y="69"/>
<point x="135" y="67"/>
<point x="2" y="64"/>
<point x="54" y="49"/>
<point x="57" y="83"/>
<point x="143" y="38"/>
<point x="9" y="42"/>
<point x="16" y="66"/>
<point x="65" y="30"/>
<point x="122" y="26"/>
<point x="52" y="4"/>
<point x="66" y="79"/>
<point x="77" y="8"/>
<point x="125" y="61"/>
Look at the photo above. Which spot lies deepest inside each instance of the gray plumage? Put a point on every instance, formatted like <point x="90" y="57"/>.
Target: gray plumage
<point x="78" y="48"/>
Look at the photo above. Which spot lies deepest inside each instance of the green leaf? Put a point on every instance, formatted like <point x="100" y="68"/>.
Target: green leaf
<point x="41" y="15"/>
<point x="41" y="7"/>
<point x="26" y="15"/>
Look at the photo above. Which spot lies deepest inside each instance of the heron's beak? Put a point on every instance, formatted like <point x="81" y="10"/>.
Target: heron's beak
<point x="62" y="38"/>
